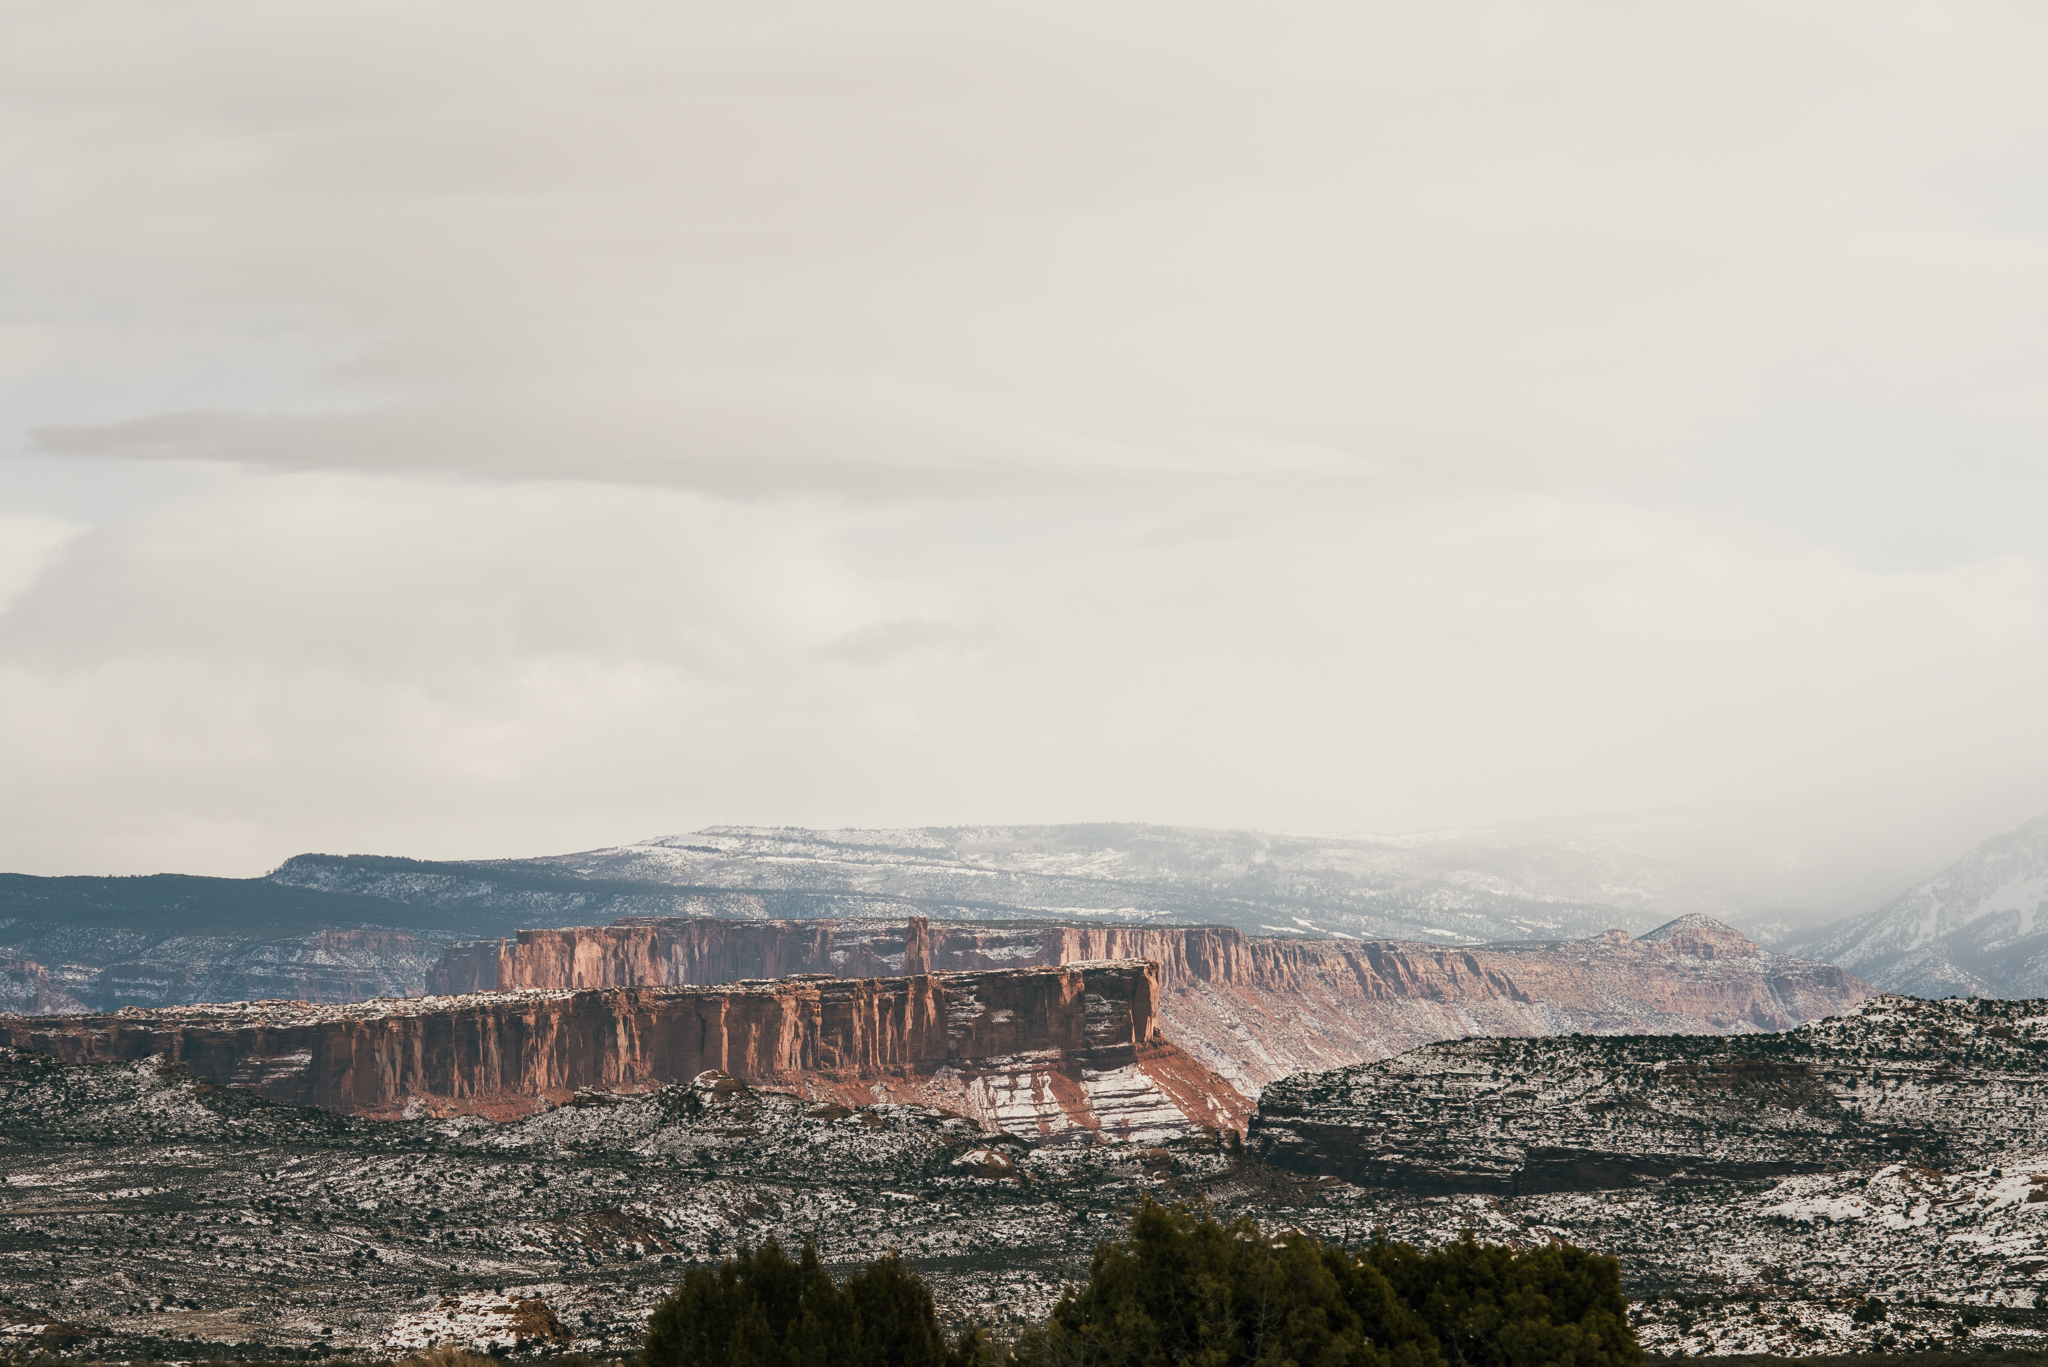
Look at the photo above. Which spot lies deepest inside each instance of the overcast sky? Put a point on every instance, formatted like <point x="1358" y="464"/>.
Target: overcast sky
<point x="465" y="431"/>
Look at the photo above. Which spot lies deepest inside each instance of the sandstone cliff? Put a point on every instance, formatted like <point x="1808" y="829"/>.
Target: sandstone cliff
<point x="1250" y="1009"/>
<point x="1044" y="1052"/>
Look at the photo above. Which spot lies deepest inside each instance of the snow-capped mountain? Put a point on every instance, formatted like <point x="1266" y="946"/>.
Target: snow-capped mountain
<point x="1977" y="928"/>
<point x="1459" y="887"/>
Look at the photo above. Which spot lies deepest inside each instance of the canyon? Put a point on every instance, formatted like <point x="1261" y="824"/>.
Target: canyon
<point x="1070" y="1051"/>
<point x="1043" y="1027"/>
<point x="148" y="1213"/>
<point x="1251" y="1009"/>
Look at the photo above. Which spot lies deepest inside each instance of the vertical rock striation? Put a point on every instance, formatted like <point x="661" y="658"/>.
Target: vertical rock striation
<point x="1253" y="1010"/>
<point x="1049" y="1052"/>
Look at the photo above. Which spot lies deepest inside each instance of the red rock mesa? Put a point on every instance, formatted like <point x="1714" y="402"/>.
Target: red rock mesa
<point x="1045" y="1052"/>
<point x="1250" y="1009"/>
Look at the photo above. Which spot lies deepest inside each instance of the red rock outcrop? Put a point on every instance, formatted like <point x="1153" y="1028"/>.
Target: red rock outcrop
<point x="1251" y="1009"/>
<point x="1044" y="1051"/>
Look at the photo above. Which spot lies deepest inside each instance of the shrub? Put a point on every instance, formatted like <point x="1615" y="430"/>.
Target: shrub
<point x="448" y="1355"/>
<point x="762" y="1308"/>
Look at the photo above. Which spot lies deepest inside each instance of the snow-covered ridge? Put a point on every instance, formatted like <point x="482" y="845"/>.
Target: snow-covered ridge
<point x="1446" y="887"/>
<point x="1979" y="927"/>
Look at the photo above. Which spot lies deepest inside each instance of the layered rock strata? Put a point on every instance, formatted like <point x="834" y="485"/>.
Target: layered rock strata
<point x="1897" y="1081"/>
<point x="1046" y="1052"/>
<point x="1250" y="1009"/>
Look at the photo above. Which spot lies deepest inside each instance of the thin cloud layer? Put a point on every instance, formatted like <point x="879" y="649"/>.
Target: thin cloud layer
<point x="377" y="663"/>
<point x="1543" y="245"/>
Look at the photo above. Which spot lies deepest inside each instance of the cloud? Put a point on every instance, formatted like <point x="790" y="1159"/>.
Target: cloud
<point x="511" y="430"/>
<point x="906" y="638"/>
<point x="27" y="545"/>
<point x="950" y="252"/>
<point x="436" y="667"/>
<point x="867" y="437"/>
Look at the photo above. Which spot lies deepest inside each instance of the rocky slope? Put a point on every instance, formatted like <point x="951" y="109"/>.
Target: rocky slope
<point x="1897" y="1080"/>
<point x="1891" y="1162"/>
<point x="147" y="1214"/>
<point x="1977" y="928"/>
<point x="1251" y="1009"/>
<point x="27" y="989"/>
<point x="1045" y="1051"/>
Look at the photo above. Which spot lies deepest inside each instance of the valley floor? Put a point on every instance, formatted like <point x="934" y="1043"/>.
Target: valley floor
<point x="149" y="1214"/>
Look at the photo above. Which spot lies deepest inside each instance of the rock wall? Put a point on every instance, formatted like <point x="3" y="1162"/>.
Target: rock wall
<point x="699" y="951"/>
<point x="1252" y="1010"/>
<point x="1046" y="1052"/>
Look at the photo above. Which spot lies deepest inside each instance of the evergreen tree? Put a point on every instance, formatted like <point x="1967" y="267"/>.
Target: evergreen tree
<point x="762" y="1308"/>
<point x="1493" y="1306"/>
<point x="1187" y="1290"/>
<point x="1184" y="1291"/>
<point x="895" y="1323"/>
<point x="1181" y="1291"/>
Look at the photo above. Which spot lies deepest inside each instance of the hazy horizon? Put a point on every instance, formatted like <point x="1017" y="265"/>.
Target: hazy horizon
<point x="455" y="431"/>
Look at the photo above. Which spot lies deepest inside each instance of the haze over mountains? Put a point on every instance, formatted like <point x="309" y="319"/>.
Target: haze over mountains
<point x="303" y="930"/>
<point x="1977" y="928"/>
<point x="1447" y="888"/>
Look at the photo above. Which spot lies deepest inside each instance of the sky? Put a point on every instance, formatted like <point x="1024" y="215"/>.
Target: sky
<point x="463" y="430"/>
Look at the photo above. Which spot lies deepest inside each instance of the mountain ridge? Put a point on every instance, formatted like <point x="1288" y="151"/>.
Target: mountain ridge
<point x="1979" y="927"/>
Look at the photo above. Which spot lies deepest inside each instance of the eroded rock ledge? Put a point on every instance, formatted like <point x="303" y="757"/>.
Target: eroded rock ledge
<point x="1251" y="1009"/>
<point x="1047" y="1052"/>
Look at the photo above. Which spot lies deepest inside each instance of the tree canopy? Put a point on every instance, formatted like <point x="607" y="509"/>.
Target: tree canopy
<point x="763" y="1308"/>
<point x="1182" y="1290"/>
<point x="1187" y="1290"/>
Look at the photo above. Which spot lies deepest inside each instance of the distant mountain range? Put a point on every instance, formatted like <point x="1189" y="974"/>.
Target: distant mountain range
<point x="105" y="943"/>
<point x="1977" y="928"/>
<point x="1461" y="887"/>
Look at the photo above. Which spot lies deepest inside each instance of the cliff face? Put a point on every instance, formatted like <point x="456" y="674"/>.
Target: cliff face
<point x="700" y="951"/>
<point x="1252" y="1010"/>
<point x="1045" y="1052"/>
